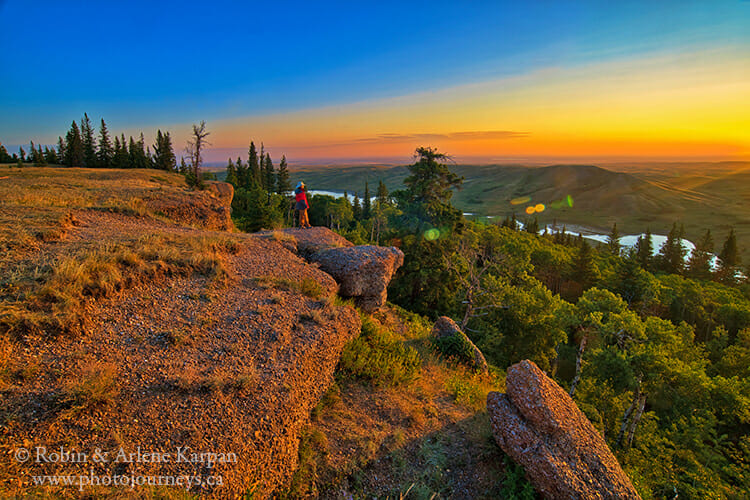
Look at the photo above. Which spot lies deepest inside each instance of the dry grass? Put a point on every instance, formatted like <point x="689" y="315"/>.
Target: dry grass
<point x="194" y="379"/>
<point x="94" y="384"/>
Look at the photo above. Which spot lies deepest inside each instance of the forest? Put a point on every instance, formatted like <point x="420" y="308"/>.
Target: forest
<point x="653" y="344"/>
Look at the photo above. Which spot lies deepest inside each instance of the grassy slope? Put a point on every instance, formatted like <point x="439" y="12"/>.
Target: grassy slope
<point x="700" y="195"/>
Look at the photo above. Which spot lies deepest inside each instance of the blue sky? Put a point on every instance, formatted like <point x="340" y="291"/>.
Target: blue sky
<point x="142" y="65"/>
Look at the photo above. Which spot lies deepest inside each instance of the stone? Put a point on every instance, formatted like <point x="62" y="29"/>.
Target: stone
<point x="362" y="272"/>
<point x="445" y="328"/>
<point x="540" y="427"/>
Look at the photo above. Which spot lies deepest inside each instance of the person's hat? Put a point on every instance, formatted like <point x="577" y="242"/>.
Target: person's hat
<point x="300" y="184"/>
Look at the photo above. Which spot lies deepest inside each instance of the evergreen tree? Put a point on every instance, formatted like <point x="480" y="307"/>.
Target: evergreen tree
<point x="33" y="156"/>
<point x="269" y="174"/>
<point x="382" y="193"/>
<point x="583" y="266"/>
<point x="283" y="185"/>
<point x="74" y="153"/>
<point x="183" y="166"/>
<point x="253" y="166"/>
<point x="532" y="226"/>
<point x="242" y="173"/>
<point x="729" y="259"/>
<point x="120" y="156"/>
<point x="51" y="156"/>
<point x="366" y="203"/>
<point x="644" y="249"/>
<point x="61" y="150"/>
<point x="613" y="240"/>
<point x="231" y="174"/>
<point x="164" y="158"/>
<point x="89" y="148"/>
<point x="426" y="200"/>
<point x="356" y="208"/>
<point x="21" y="154"/>
<point x="4" y="156"/>
<point x="132" y="153"/>
<point x="699" y="263"/>
<point x="105" y="154"/>
<point x="671" y="256"/>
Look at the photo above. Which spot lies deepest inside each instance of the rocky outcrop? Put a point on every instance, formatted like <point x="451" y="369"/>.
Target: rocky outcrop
<point x="209" y="209"/>
<point x="541" y="428"/>
<point x="362" y="272"/>
<point x="449" y="338"/>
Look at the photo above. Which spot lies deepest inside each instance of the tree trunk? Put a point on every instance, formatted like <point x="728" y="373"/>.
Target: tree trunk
<point x="637" y="418"/>
<point x="628" y="412"/>
<point x="469" y="308"/>
<point x="579" y="363"/>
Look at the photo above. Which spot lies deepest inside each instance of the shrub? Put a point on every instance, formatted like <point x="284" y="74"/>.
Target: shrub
<point x="378" y="357"/>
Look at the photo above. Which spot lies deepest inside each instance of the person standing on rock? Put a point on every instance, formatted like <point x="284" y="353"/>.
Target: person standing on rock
<point x="302" y="205"/>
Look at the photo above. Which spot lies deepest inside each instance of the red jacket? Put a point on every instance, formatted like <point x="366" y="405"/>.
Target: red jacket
<point x="299" y="195"/>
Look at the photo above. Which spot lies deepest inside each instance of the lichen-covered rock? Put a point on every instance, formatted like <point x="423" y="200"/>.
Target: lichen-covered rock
<point x="448" y="337"/>
<point x="540" y="427"/>
<point x="312" y="240"/>
<point x="362" y="272"/>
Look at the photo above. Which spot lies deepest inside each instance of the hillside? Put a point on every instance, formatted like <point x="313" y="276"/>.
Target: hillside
<point x="701" y="196"/>
<point x="131" y="325"/>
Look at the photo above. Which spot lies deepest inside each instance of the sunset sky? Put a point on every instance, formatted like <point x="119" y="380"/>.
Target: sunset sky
<point x="370" y="81"/>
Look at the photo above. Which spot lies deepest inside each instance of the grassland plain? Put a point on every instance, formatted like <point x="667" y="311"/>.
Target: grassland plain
<point x="125" y="325"/>
<point x="636" y="196"/>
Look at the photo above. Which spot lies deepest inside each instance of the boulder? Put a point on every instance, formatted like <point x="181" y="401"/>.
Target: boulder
<point x="447" y="335"/>
<point x="222" y="190"/>
<point x="312" y="240"/>
<point x="362" y="272"/>
<point x="540" y="427"/>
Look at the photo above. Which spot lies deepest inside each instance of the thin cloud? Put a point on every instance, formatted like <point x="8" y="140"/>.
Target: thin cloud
<point x="453" y="136"/>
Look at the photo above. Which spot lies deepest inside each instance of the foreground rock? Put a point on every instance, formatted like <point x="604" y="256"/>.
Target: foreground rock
<point x="540" y="427"/>
<point x="362" y="272"/>
<point x="446" y="332"/>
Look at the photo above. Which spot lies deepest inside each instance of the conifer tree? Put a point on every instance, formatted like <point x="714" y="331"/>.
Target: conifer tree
<point x="164" y="158"/>
<point x="672" y="253"/>
<point x="382" y="193"/>
<point x="269" y="175"/>
<point x="132" y="162"/>
<point x="4" y="156"/>
<point x="105" y="154"/>
<point x="61" y="150"/>
<point x="283" y="185"/>
<point x="366" y="203"/>
<point x="242" y="173"/>
<point x="231" y="173"/>
<point x="644" y="249"/>
<point x="87" y="137"/>
<point x="51" y="156"/>
<point x="33" y="154"/>
<point x="583" y="265"/>
<point x="613" y="240"/>
<point x="21" y="154"/>
<point x="74" y="153"/>
<point x="699" y="263"/>
<point x="120" y="155"/>
<point x="356" y="208"/>
<point x="729" y="259"/>
<point x="253" y="166"/>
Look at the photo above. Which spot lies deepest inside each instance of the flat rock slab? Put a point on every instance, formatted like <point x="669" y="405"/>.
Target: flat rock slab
<point x="540" y="427"/>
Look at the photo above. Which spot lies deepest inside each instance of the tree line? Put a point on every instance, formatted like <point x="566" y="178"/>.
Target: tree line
<point x="80" y="148"/>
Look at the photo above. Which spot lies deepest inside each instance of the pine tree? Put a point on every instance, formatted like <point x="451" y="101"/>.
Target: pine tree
<point x="21" y="154"/>
<point x="33" y="154"/>
<point x="382" y="194"/>
<point x="583" y="266"/>
<point x="4" y="156"/>
<point x="61" y="150"/>
<point x="699" y="263"/>
<point x="120" y="155"/>
<point x="74" y="153"/>
<point x="269" y="175"/>
<point x="89" y="148"/>
<point x="231" y="174"/>
<point x="105" y="154"/>
<point x="283" y="185"/>
<point x="164" y="158"/>
<point x="242" y="173"/>
<point x="366" y="203"/>
<point x="253" y="166"/>
<point x="671" y="256"/>
<point x="51" y="156"/>
<point x="729" y="259"/>
<point x="613" y="241"/>
<point x="644" y="249"/>
<point x="356" y="208"/>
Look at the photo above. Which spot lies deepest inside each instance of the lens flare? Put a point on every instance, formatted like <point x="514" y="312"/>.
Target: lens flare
<point x="539" y="207"/>
<point x="569" y="199"/>
<point x="521" y="200"/>
<point x="431" y="234"/>
<point x="530" y="209"/>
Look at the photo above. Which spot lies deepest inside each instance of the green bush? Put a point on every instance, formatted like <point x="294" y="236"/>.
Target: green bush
<point x="455" y="345"/>
<point x="379" y="357"/>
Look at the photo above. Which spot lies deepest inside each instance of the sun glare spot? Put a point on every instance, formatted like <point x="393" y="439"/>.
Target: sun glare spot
<point x="521" y="200"/>
<point x="431" y="234"/>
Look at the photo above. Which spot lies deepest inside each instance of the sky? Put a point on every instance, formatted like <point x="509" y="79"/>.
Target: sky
<point x="371" y="81"/>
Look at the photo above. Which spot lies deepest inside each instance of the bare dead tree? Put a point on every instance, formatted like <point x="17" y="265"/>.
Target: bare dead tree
<point x="195" y="147"/>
